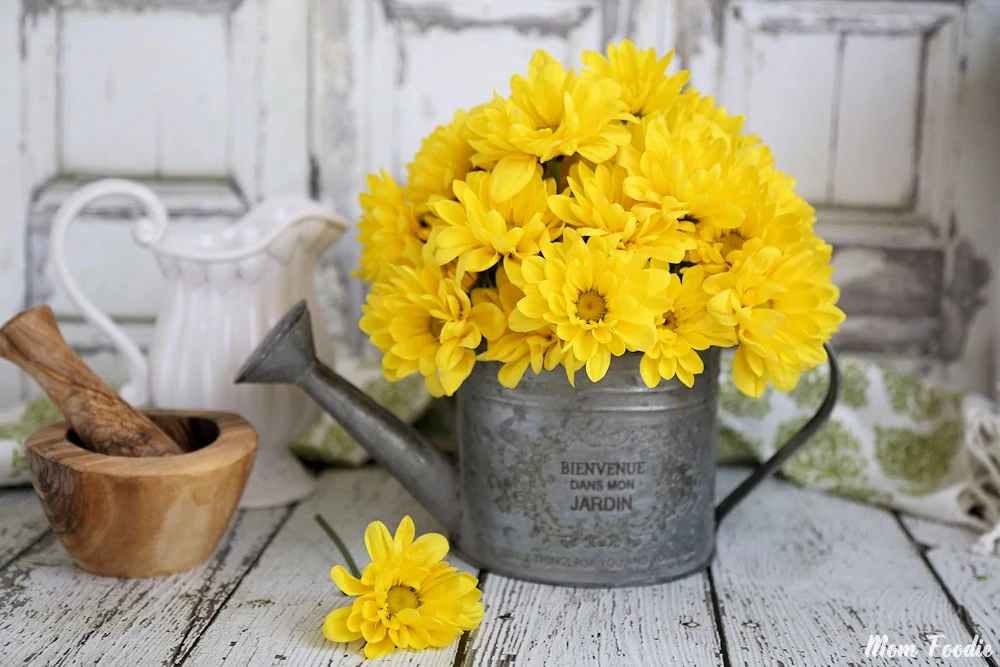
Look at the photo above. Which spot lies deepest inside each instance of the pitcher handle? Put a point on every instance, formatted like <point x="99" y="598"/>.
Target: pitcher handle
<point x="146" y="232"/>
<point x="794" y="443"/>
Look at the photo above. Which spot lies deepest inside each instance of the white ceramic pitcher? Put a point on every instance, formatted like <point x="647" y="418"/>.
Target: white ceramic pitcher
<point x="224" y="289"/>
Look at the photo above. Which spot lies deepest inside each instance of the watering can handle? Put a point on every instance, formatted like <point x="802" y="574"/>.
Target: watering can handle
<point x="785" y="452"/>
<point x="146" y="232"/>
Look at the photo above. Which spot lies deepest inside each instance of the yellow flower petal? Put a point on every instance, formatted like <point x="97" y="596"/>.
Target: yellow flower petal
<point x="441" y="637"/>
<point x="649" y="370"/>
<point x="379" y="542"/>
<point x="746" y="380"/>
<point x="404" y="534"/>
<point x="347" y="582"/>
<point x="382" y="648"/>
<point x="419" y="638"/>
<point x="450" y="211"/>
<point x="488" y="318"/>
<point x="510" y="374"/>
<point x="335" y="626"/>
<point x="598" y="364"/>
<point x="430" y="547"/>
<point x="373" y="631"/>
<point x="451" y="587"/>
<point x="511" y="174"/>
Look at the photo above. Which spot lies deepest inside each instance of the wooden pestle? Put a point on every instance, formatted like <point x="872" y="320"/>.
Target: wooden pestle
<point x="104" y="422"/>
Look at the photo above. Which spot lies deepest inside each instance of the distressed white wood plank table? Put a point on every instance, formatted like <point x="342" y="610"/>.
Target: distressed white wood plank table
<point x="800" y="578"/>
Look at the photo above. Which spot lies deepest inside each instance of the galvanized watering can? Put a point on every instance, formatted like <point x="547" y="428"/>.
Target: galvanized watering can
<point x="607" y="484"/>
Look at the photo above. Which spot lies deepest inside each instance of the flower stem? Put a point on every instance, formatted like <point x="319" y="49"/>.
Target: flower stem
<point x="332" y="534"/>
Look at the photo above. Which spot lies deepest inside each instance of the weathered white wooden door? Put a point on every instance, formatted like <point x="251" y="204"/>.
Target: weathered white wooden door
<point x="885" y="112"/>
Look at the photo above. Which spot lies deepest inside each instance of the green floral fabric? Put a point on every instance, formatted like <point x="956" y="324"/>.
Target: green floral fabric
<point x="893" y="440"/>
<point x="16" y="424"/>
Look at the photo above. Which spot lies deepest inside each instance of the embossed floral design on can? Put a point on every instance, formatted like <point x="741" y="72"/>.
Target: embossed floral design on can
<point x="607" y="483"/>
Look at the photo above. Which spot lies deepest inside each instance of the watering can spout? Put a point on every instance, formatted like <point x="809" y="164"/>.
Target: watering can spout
<point x="287" y="356"/>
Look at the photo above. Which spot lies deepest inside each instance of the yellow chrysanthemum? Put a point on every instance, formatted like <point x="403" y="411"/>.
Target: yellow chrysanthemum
<point x="479" y="232"/>
<point x="773" y="215"/>
<point x="389" y="231"/>
<point x="423" y="321"/>
<point x="788" y="201"/>
<point x="550" y="113"/>
<point x="596" y="204"/>
<point x="540" y="349"/>
<point x="601" y="301"/>
<point x="407" y="597"/>
<point x="782" y="304"/>
<point x="687" y="173"/>
<point x="685" y="328"/>
<point x="692" y="104"/>
<point x="646" y="88"/>
<point x="445" y="156"/>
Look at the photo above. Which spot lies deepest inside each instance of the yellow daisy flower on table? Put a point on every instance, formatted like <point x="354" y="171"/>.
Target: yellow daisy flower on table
<point x="601" y="301"/>
<point x="596" y="205"/>
<point x="646" y="88"/>
<point x="389" y="231"/>
<point x="479" y="232"/>
<point x="540" y="349"/>
<point x="685" y="328"/>
<point x="550" y="113"/>
<point x="407" y="597"/>
<point x="423" y="321"/>
<point x="445" y="156"/>
<point x="783" y="305"/>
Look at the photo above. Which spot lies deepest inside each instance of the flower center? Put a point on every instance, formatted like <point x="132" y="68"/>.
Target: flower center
<point x="400" y="598"/>
<point x="435" y="326"/>
<point x="591" y="306"/>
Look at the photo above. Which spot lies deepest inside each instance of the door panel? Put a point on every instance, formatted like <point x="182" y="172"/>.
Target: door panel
<point x="874" y="157"/>
<point x="789" y="96"/>
<point x="148" y="98"/>
<point x="205" y="101"/>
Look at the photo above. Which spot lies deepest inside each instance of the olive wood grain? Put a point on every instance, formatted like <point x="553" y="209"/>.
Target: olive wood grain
<point x="104" y="422"/>
<point x="149" y="516"/>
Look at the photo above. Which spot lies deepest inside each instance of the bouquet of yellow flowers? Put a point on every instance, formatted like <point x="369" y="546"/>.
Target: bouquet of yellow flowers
<point x="587" y="215"/>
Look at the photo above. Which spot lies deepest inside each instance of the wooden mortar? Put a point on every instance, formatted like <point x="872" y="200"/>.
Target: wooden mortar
<point x="144" y="517"/>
